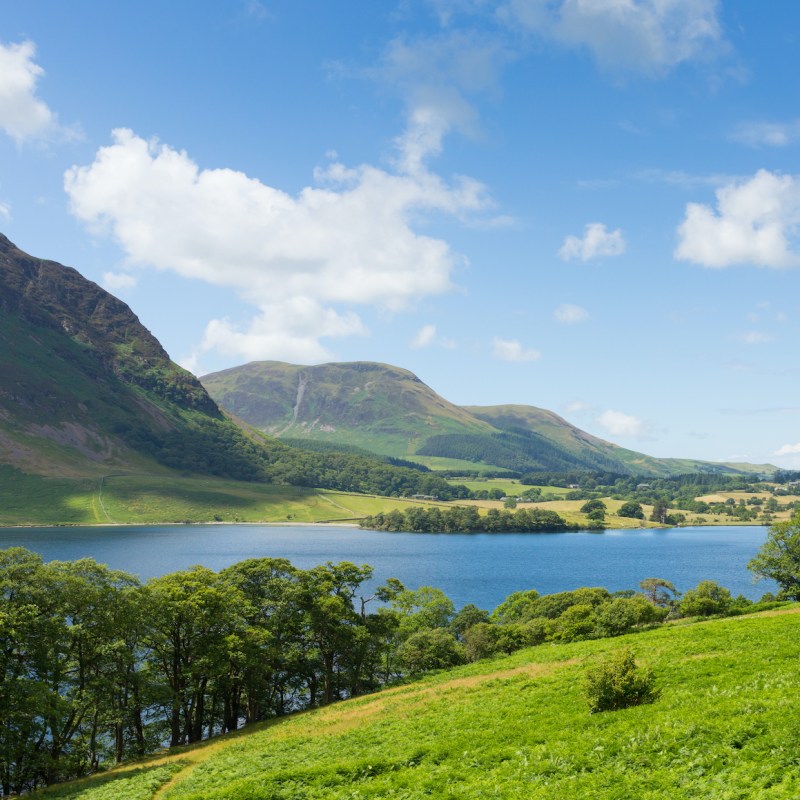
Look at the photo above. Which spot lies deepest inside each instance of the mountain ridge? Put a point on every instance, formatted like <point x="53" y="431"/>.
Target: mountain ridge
<point x="391" y="411"/>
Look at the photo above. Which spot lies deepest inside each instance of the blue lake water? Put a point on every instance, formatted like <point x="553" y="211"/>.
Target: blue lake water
<point x="470" y="568"/>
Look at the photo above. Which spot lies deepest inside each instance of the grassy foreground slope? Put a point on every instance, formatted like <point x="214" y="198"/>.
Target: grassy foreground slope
<point x="727" y="726"/>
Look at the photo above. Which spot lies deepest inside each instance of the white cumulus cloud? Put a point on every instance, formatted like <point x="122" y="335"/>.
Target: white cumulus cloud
<point x="569" y="314"/>
<point x="618" y="423"/>
<point x="22" y="114"/>
<point x="788" y="450"/>
<point x="596" y="242"/>
<point x="755" y="222"/>
<point x="512" y="350"/>
<point x="651" y="36"/>
<point x="346" y="241"/>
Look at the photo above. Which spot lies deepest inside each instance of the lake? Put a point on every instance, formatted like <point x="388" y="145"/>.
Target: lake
<point x="478" y="568"/>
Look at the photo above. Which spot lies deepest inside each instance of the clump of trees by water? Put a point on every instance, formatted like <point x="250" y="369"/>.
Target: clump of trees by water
<point x="96" y="667"/>
<point x="467" y="519"/>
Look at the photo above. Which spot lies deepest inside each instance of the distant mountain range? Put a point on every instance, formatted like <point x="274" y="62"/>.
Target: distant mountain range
<point x="86" y="389"/>
<point x="388" y="410"/>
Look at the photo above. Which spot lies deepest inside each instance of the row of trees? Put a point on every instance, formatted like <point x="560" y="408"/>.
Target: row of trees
<point x="97" y="668"/>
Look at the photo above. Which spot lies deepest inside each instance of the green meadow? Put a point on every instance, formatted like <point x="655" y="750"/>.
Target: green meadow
<point x="726" y="726"/>
<point x="141" y="499"/>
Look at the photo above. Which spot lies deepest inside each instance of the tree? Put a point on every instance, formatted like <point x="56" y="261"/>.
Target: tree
<point x="659" y="511"/>
<point x="631" y="510"/>
<point x="434" y="648"/>
<point x="517" y="607"/>
<point x="618" y="682"/>
<point x="779" y="557"/>
<point x="707" y="598"/>
<point x="469" y="616"/>
<point x="658" y="591"/>
<point x="593" y="505"/>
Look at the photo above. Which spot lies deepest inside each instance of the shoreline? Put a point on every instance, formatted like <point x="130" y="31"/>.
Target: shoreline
<point x="353" y="525"/>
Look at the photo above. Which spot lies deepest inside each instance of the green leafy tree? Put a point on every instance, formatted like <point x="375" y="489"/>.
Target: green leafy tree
<point x="617" y="682"/>
<point x="659" y="511"/>
<point x="591" y="506"/>
<point x="466" y="618"/>
<point x="779" y="557"/>
<point x="631" y="510"/>
<point x="707" y="598"/>
<point x="517" y="607"/>
<point x="429" y="649"/>
<point x="658" y="591"/>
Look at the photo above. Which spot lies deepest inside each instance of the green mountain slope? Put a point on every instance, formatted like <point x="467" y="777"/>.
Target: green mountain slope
<point x="726" y="726"/>
<point x="86" y="390"/>
<point x="388" y="410"/>
<point x="377" y="407"/>
<point x="84" y="386"/>
<point x="527" y="420"/>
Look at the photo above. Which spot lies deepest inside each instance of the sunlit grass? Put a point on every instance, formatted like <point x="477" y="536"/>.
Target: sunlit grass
<point x="726" y="726"/>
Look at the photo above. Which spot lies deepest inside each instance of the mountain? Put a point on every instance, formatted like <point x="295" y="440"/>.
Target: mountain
<point x="377" y="407"/>
<point x="87" y="391"/>
<point x="84" y="386"/>
<point x="388" y="410"/>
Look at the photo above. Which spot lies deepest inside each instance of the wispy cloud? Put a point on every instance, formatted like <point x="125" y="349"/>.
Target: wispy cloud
<point x="648" y="36"/>
<point x="118" y="281"/>
<point x="767" y="134"/>
<point x="596" y="242"/>
<point x="569" y="314"/>
<point x="617" y="423"/>
<point x="512" y="350"/>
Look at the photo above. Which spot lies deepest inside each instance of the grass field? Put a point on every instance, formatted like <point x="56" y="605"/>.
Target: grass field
<point x="726" y="727"/>
<point x="510" y="487"/>
<point x="142" y="499"/>
<point x="35" y="500"/>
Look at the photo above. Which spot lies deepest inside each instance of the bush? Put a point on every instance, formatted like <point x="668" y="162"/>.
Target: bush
<point x="617" y="682"/>
<point x="429" y="649"/>
<point x="706" y="599"/>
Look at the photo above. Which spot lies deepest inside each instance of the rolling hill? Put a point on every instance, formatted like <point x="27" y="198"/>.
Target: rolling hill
<point x="725" y="726"/>
<point x="388" y="410"/>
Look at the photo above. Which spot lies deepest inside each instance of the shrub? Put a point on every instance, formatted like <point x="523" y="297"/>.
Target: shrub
<point x="617" y="682"/>
<point x="707" y="598"/>
<point x="429" y="649"/>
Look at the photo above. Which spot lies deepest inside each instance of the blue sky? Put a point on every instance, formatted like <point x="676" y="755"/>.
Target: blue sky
<point x="590" y="206"/>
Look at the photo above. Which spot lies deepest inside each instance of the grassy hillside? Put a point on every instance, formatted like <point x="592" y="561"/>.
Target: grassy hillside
<point x="521" y="420"/>
<point x="388" y="410"/>
<point x="726" y="726"/>
<point x="377" y="407"/>
<point x="138" y="499"/>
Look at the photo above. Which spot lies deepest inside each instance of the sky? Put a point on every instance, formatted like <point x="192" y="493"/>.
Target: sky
<point x="589" y="206"/>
